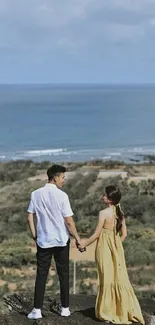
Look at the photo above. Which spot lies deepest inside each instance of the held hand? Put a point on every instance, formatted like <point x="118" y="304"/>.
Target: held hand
<point x="80" y="247"/>
<point x="83" y="242"/>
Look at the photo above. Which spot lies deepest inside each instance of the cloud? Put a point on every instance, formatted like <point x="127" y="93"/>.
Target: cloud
<point x="123" y="32"/>
<point x="42" y="26"/>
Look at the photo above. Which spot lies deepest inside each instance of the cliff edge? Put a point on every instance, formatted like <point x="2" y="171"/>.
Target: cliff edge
<point x="82" y="311"/>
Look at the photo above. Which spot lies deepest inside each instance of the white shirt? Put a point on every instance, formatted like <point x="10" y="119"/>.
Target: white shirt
<point x="51" y="205"/>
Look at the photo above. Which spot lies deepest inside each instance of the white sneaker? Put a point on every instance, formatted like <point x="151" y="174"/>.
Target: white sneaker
<point x="65" y="312"/>
<point x="35" y="314"/>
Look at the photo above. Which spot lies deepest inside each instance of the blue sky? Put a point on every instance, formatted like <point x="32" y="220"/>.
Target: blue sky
<point x="77" y="41"/>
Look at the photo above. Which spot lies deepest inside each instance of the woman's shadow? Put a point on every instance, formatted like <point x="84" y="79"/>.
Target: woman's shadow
<point x="89" y="313"/>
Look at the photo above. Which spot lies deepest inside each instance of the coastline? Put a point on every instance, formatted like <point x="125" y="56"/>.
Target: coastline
<point x="128" y="155"/>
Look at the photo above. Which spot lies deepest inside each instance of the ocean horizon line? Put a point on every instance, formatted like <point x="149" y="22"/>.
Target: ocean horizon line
<point x="76" y="84"/>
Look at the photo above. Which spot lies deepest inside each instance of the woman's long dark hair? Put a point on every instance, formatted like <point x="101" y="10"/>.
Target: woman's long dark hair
<point x="113" y="193"/>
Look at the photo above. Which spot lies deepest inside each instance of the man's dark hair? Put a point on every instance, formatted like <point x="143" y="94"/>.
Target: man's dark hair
<point x="55" y="170"/>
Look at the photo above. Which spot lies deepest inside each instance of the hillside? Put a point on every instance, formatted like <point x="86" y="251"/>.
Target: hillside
<point x="84" y="185"/>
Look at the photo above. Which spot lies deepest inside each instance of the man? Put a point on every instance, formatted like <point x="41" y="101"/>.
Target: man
<point x="52" y="209"/>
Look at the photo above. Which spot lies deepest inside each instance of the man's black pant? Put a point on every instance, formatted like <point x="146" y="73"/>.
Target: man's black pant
<point x="61" y="257"/>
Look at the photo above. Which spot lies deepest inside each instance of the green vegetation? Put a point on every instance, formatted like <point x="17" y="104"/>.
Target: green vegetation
<point x="84" y="190"/>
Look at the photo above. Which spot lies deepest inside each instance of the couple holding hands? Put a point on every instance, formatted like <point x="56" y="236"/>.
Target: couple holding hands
<point x="116" y="301"/>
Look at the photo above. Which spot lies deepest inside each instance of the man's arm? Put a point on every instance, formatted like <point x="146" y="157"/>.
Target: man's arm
<point x="32" y="225"/>
<point x="72" y="229"/>
<point x="70" y="224"/>
<point x="67" y="214"/>
<point x="31" y="214"/>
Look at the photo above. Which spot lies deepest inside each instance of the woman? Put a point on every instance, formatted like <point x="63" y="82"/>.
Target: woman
<point x="116" y="301"/>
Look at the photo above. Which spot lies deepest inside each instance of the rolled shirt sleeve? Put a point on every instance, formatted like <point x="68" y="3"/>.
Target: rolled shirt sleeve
<point x="67" y="211"/>
<point x="31" y="208"/>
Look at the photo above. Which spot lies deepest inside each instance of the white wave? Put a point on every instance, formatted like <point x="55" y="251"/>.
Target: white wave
<point x="144" y="150"/>
<point x="115" y="153"/>
<point x="106" y="157"/>
<point x="45" y="152"/>
<point x="138" y="149"/>
<point x="67" y="153"/>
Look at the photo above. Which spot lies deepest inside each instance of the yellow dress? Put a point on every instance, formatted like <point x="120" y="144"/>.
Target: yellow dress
<point x="116" y="301"/>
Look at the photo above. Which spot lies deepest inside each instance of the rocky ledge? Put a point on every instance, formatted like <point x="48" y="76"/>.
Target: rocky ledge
<point x="82" y="309"/>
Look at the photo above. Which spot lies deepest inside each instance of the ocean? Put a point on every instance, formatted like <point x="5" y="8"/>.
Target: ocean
<point x="76" y="122"/>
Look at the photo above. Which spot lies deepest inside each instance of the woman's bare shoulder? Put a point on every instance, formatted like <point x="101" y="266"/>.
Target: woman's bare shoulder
<point x="104" y="212"/>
